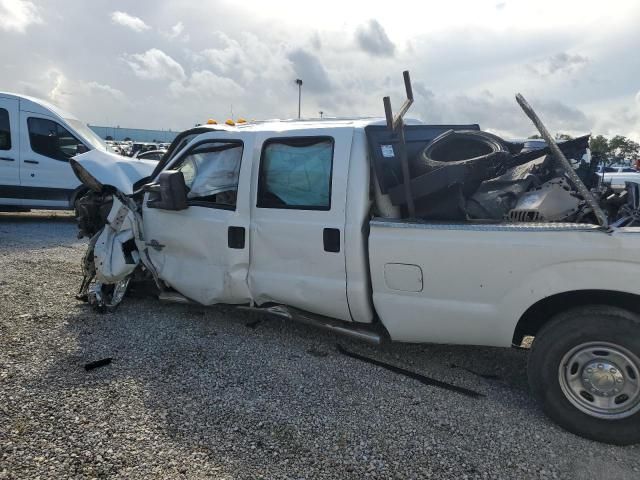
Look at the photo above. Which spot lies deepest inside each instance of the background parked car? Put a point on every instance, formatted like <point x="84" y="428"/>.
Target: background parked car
<point x="151" y="154"/>
<point x="37" y="140"/>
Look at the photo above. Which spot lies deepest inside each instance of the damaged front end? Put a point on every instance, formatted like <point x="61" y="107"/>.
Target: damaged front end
<point x="112" y="222"/>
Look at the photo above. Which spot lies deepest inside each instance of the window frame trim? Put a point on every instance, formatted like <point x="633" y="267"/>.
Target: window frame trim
<point x="58" y="124"/>
<point x="261" y="175"/>
<point x="187" y="152"/>
<point x="10" y="146"/>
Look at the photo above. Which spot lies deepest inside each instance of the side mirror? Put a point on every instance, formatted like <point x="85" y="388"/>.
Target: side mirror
<point x="81" y="148"/>
<point x="170" y="193"/>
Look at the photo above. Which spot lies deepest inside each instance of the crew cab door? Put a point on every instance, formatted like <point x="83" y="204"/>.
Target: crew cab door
<point x="298" y="219"/>
<point x="9" y="152"/>
<point x="203" y="251"/>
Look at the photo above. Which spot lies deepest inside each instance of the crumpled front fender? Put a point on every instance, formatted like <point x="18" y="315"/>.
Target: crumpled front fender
<point x="96" y="169"/>
<point x="115" y="254"/>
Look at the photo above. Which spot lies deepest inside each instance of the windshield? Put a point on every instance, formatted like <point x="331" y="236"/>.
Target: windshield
<point x="86" y="133"/>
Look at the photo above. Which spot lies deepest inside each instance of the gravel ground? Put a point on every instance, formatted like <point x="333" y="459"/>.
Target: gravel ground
<point x="208" y="393"/>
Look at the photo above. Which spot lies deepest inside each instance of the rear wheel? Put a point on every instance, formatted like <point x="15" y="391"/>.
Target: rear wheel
<point x="584" y="367"/>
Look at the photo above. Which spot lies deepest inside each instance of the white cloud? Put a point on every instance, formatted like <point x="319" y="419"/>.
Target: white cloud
<point x="561" y="62"/>
<point x="254" y="54"/>
<point x="176" y="30"/>
<point x="134" y="23"/>
<point x="75" y="95"/>
<point x="247" y="58"/>
<point x="95" y="88"/>
<point x="204" y="83"/>
<point x="17" y="15"/>
<point x="58" y="93"/>
<point x="373" y="39"/>
<point x="154" y="64"/>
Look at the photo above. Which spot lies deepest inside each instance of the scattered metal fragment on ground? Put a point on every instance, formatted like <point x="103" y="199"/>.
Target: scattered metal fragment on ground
<point x="97" y="364"/>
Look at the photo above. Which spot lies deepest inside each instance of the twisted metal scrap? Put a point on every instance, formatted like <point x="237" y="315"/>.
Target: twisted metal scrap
<point x="564" y="163"/>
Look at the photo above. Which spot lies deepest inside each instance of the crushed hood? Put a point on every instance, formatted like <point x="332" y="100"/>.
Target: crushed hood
<point x="96" y="169"/>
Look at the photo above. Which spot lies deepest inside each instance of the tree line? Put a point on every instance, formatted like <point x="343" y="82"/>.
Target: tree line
<point x="617" y="150"/>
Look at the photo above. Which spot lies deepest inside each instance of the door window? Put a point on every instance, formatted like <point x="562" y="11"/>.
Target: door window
<point x="296" y="173"/>
<point x="5" y="131"/>
<point x="211" y="172"/>
<point x="51" y="139"/>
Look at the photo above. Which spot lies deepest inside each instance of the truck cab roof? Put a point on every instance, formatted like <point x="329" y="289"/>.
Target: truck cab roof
<point x="279" y="125"/>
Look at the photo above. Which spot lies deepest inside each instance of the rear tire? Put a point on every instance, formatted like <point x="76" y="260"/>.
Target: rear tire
<point x="584" y="368"/>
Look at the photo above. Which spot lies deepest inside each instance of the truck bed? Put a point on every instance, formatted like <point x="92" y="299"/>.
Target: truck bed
<point x="470" y="283"/>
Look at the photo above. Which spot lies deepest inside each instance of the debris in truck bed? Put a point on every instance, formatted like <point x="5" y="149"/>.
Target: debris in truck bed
<point x="496" y="197"/>
<point x="474" y="175"/>
<point x="563" y="162"/>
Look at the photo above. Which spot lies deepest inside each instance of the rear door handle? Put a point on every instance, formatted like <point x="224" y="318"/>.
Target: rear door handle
<point x="7" y="159"/>
<point x="236" y="237"/>
<point x="331" y="240"/>
<point x="35" y="162"/>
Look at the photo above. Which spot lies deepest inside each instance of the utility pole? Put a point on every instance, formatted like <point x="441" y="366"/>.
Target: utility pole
<point x="299" y="83"/>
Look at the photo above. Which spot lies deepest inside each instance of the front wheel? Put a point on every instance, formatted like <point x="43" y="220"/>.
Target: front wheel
<point x="584" y="367"/>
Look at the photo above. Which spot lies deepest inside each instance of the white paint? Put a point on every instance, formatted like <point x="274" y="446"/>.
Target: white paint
<point x="195" y="258"/>
<point x="358" y="206"/>
<point x="115" y="170"/>
<point x="478" y="283"/>
<point x="110" y="260"/>
<point x="288" y="261"/>
<point x="23" y="167"/>
<point x="428" y="283"/>
<point x="403" y="277"/>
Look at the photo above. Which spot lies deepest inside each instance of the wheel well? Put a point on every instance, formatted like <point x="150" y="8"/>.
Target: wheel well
<point x="77" y="193"/>
<point x="541" y="312"/>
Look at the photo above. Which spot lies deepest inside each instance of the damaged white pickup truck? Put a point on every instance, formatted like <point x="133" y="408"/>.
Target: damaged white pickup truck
<point x="311" y="220"/>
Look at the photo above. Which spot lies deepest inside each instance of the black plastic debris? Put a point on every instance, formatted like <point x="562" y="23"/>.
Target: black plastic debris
<point x="464" y="175"/>
<point x="495" y="197"/>
<point x="415" y="376"/>
<point x="97" y="364"/>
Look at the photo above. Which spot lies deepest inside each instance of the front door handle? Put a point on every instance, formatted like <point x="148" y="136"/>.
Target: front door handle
<point x="236" y="237"/>
<point x="35" y="162"/>
<point x="331" y="240"/>
<point x="7" y="159"/>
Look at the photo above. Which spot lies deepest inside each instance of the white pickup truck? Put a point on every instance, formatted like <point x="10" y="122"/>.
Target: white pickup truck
<point x="289" y="217"/>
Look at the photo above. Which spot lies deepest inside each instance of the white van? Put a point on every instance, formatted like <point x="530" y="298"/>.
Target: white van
<point x="36" y="142"/>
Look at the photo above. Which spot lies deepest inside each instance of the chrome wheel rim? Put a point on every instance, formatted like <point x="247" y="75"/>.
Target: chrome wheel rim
<point x="601" y="379"/>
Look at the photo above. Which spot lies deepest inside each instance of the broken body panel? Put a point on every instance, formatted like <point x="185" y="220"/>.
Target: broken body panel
<point x="464" y="282"/>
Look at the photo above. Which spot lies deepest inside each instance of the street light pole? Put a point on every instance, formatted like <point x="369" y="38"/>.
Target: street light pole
<point x="299" y="83"/>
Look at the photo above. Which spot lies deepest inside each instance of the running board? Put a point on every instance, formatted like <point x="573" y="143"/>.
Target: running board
<point x="173" y="297"/>
<point x="368" y="335"/>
